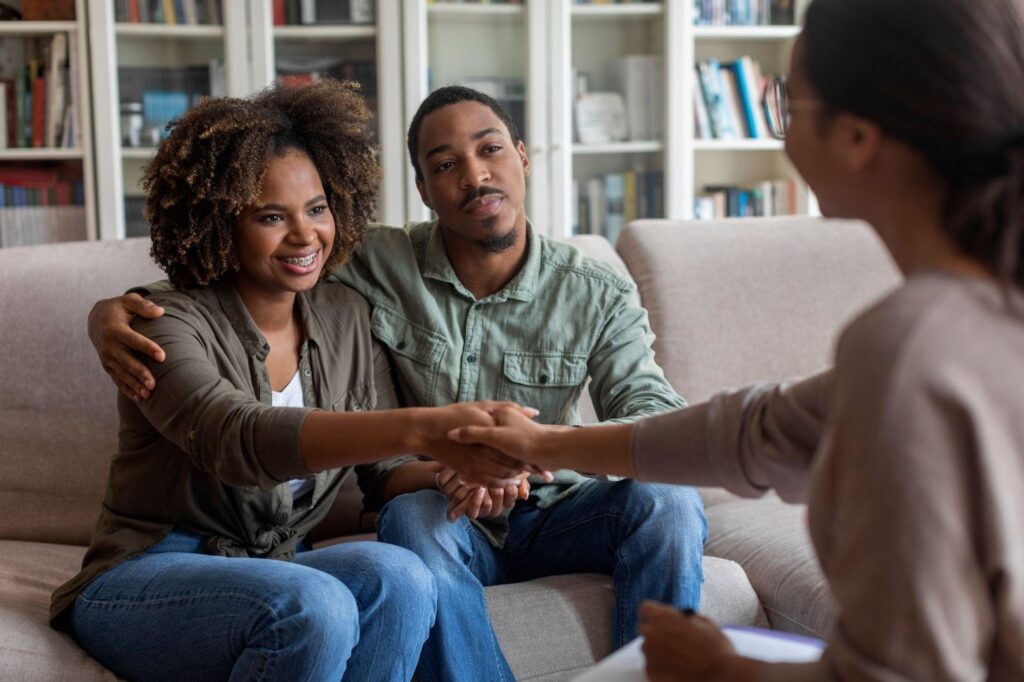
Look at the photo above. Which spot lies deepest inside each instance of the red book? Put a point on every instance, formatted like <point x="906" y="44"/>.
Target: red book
<point x="133" y="11"/>
<point x="291" y="80"/>
<point x="39" y="112"/>
<point x="280" y="16"/>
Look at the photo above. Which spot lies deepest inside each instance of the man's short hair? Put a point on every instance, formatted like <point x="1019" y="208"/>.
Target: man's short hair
<point x="446" y="96"/>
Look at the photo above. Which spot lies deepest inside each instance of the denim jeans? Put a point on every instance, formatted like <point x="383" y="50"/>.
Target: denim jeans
<point x="358" y="611"/>
<point x="649" y="538"/>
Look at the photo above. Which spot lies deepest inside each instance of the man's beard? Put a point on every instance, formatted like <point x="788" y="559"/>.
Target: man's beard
<point x="499" y="243"/>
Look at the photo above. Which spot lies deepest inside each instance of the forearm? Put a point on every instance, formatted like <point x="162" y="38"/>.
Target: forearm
<point x="410" y="478"/>
<point x="595" y="449"/>
<point x="328" y="440"/>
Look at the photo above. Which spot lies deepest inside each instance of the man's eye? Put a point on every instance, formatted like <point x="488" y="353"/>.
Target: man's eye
<point x="444" y="166"/>
<point x="492" y="148"/>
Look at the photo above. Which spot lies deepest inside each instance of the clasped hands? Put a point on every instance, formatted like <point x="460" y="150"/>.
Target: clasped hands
<point x="491" y="478"/>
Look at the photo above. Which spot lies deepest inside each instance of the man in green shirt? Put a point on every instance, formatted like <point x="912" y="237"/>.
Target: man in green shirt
<point x="476" y="305"/>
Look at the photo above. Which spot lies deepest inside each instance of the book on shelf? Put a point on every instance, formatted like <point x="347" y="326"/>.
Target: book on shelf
<point x="172" y="12"/>
<point x="39" y="101"/>
<point x="640" y="79"/>
<point x="744" y="13"/>
<point x="727" y="100"/>
<point x="310" y="12"/>
<point x="165" y="93"/>
<point x="767" y="198"/>
<point x="605" y="204"/>
<point x="32" y="225"/>
<point x="48" y="10"/>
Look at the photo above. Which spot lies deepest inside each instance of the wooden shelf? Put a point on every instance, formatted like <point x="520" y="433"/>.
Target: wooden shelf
<point x="745" y="32"/>
<point x="176" y="31"/>
<point x="34" y="154"/>
<point x="35" y="28"/>
<point x="767" y="145"/>
<point x="347" y="32"/>
<point x="452" y="9"/>
<point x="638" y="147"/>
<point x="636" y="9"/>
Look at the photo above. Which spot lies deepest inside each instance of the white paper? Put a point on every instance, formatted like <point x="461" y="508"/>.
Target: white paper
<point x="627" y="664"/>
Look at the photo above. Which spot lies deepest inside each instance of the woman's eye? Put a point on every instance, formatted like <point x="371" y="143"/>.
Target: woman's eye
<point x="271" y="218"/>
<point x="319" y="210"/>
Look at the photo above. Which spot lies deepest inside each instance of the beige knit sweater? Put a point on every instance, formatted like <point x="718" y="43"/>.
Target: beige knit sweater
<point x="910" y="456"/>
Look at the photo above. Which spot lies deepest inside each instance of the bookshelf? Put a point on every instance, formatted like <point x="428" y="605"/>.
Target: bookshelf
<point x="46" y="163"/>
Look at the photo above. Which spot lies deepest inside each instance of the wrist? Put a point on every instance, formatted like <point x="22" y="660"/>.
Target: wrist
<point x="739" y="668"/>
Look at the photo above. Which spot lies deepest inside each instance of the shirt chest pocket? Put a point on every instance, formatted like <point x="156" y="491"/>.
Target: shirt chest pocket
<point x="416" y="351"/>
<point x="549" y="381"/>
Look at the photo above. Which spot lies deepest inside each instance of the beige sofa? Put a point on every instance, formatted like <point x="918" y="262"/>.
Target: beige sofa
<point x="732" y="302"/>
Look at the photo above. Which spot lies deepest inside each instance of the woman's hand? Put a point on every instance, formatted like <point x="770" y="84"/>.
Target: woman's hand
<point x="689" y="647"/>
<point x="476" y="464"/>
<point x="478" y="501"/>
<point x="513" y="433"/>
<point x="116" y="342"/>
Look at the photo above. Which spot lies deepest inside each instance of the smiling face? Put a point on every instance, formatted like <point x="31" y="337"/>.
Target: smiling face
<point x="283" y="241"/>
<point x="474" y="175"/>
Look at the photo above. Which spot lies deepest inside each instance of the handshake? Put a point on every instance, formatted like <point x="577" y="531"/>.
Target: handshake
<point x="485" y="454"/>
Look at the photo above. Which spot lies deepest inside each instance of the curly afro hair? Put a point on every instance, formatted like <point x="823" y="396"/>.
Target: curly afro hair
<point x="211" y="168"/>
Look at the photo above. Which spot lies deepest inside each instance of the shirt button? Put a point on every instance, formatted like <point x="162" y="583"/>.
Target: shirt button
<point x="471" y="358"/>
<point x="357" y="408"/>
<point x="400" y="345"/>
<point x="306" y="372"/>
<point x="543" y="378"/>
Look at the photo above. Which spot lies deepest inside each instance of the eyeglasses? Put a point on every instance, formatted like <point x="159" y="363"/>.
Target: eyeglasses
<point x="778" y="107"/>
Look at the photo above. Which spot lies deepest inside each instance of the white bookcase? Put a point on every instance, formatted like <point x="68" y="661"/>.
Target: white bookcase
<point x="249" y="45"/>
<point x="543" y="41"/>
<point x="12" y="32"/>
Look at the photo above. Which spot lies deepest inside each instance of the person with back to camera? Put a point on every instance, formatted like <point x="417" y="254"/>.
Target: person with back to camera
<point x="910" y="451"/>
<point x="198" y="567"/>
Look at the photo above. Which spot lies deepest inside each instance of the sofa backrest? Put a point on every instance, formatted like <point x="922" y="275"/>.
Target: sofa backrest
<point x="58" y="415"/>
<point x="733" y="302"/>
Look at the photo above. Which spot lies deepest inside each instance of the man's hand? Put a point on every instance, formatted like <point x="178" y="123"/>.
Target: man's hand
<point x="478" y="501"/>
<point x="689" y="647"/>
<point x="513" y="433"/>
<point x="475" y="464"/>
<point x="116" y="342"/>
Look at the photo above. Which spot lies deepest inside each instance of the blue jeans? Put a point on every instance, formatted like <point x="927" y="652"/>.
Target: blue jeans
<point x="358" y="610"/>
<point x="649" y="538"/>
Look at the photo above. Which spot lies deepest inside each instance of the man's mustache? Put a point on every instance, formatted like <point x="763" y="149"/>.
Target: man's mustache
<point x="475" y="194"/>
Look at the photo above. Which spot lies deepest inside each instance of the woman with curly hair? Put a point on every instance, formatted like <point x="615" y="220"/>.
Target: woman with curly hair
<point x="272" y="389"/>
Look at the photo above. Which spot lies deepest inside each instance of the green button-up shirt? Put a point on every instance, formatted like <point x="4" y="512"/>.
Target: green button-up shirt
<point x="563" y="318"/>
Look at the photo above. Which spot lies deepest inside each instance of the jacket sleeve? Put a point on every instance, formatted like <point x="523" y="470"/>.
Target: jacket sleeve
<point x="223" y="430"/>
<point x="626" y="382"/>
<point x="373" y="478"/>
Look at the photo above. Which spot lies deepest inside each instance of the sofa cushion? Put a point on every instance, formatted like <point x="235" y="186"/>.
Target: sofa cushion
<point x="59" y="416"/>
<point x="769" y="539"/>
<point x="571" y="632"/>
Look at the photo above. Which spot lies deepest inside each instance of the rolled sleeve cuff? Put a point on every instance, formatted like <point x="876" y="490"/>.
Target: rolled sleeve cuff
<point x="277" y="443"/>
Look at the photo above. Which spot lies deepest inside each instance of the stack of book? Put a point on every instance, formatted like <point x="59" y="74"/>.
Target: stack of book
<point x="167" y="93"/>
<point x="39" y="94"/>
<point x="40" y="203"/>
<point x="176" y="12"/>
<point x="301" y="70"/>
<point x="612" y="2"/>
<point x="744" y="13"/>
<point x="606" y="204"/>
<point x="640" y="79"/>
<point x="307" y="12"/>
<point x="727" y="100"/>
<point x="768" y="198"/>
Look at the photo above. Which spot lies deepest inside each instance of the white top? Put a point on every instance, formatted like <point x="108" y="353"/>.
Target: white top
<point x="291" y="396"/>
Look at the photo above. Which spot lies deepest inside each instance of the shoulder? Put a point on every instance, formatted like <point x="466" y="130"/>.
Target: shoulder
<point x="385" y="239"/>
<point x="336" y="303"/>
<point x="188" y="307"/>
<point x="566" y="260"/>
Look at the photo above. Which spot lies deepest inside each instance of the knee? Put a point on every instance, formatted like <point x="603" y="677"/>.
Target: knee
<point x="417" y="521"/>
<point x="678" y="511"/>
<point x="318" y="608"/>
<point x="398" y="576"/>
